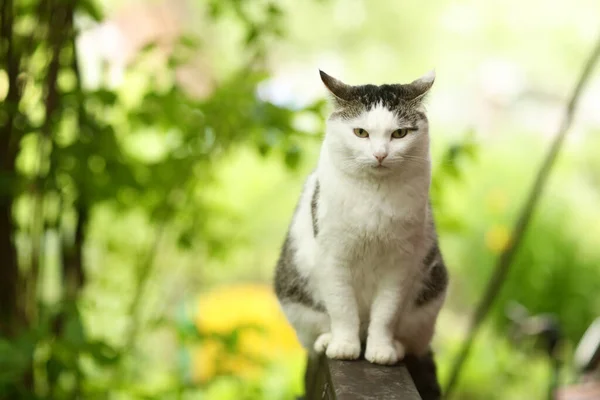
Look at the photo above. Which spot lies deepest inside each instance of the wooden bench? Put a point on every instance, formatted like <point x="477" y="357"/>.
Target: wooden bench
<point x="357" y="380"/>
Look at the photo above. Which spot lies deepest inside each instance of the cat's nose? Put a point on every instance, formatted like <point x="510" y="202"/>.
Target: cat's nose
<point x="380" y="156"/>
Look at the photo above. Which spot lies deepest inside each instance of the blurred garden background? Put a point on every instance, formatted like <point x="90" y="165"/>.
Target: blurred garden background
<point x="151" y="154"/>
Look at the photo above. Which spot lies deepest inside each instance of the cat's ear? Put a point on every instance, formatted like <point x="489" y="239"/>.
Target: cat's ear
<point x="338" y="89"/>
<point x="420" y="87"/>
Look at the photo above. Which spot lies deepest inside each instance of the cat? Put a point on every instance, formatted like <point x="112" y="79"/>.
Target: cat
<point x="361" y="264"/>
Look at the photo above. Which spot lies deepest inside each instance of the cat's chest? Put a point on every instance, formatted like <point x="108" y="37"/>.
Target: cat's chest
<point x="367" y="272"/>
<point x="368" y="213"/>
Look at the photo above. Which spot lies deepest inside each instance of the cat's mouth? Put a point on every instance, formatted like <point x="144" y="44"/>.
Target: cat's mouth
<point x="379" y="167"/>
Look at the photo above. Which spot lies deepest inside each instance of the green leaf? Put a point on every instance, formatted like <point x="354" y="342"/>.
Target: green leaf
<point x="252" y="35"/>
<point x="107" y="97"/>
<point x="185" y="240"/>
<point x="90" y="8"/>
<point x="73" y="333"/>
<point x="149" y="47"/>
<point x="189" y="42"/>
<point x="102" y="353"/>
<point x="274" y="10"/>
<point x="54" y="367"/>
<point x="16" y="357"/>
<point x="293" y="156"/>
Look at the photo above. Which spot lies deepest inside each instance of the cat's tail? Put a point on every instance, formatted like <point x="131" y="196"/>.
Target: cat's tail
<point x="424" y="375"/>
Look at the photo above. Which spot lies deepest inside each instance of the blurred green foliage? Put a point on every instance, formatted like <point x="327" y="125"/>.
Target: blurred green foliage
<point x="145" y="152"/>
<point x="120" y="203"/>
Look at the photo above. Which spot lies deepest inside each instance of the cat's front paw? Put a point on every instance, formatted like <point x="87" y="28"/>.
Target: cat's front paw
<point x="322" y="342"/>
<point x="384" y="352"/>
<point x="340" y="349"/>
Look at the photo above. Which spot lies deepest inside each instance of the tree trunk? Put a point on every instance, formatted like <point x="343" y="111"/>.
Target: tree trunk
<point x="10" y="306"/>
<point x="73" y="273"/>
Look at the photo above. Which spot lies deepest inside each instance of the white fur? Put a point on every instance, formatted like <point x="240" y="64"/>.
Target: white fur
<point x="365" y="264"/>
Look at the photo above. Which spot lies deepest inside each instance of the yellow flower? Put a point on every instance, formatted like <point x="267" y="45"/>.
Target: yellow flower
<point x="264" y="334"/>
<point x="203" y="367"/>
<point x="497" y="238"/>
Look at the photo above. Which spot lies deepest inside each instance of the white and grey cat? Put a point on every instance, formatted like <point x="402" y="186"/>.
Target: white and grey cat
<point x="361" y="261"/>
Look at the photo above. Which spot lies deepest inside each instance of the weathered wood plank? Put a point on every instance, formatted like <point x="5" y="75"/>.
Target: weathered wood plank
<point x="357" y="380"/>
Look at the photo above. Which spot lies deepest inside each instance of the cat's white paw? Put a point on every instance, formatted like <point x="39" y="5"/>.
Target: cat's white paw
<point x="384" y="352"/>
<point x="344" y="349"/>
<point x="322" y="342"/>
<point x="340" y="349"/>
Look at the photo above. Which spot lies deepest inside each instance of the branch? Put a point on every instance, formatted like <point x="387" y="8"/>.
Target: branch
<point x="505" y="259"/>
<point x="12" y="59"/>
<point x="59" y="21"/>
<point x="10" y="307"/>
<point x="72" y="267"/>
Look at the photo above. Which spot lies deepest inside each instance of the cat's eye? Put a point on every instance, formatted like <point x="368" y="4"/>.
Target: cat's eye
<point x="361" y="133"/>
<point x="400" y="133"/>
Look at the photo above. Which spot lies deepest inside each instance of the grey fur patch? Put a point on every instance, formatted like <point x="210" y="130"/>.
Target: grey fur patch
<point x="348" y="110"/>
<point x="396" y="98"/>
<point x="435" y="283"/>
<point x="314" y="203"/>
<point x="290" y="286"/>
<point x="433" y="252"/>
<point x="401" y="99"/>
<point x="391" y="97"/>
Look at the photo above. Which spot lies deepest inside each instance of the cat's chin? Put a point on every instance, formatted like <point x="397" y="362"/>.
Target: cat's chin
<point x="379" y="169"/>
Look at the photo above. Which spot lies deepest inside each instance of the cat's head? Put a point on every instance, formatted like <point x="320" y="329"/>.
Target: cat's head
<point x="378" y="129"/>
